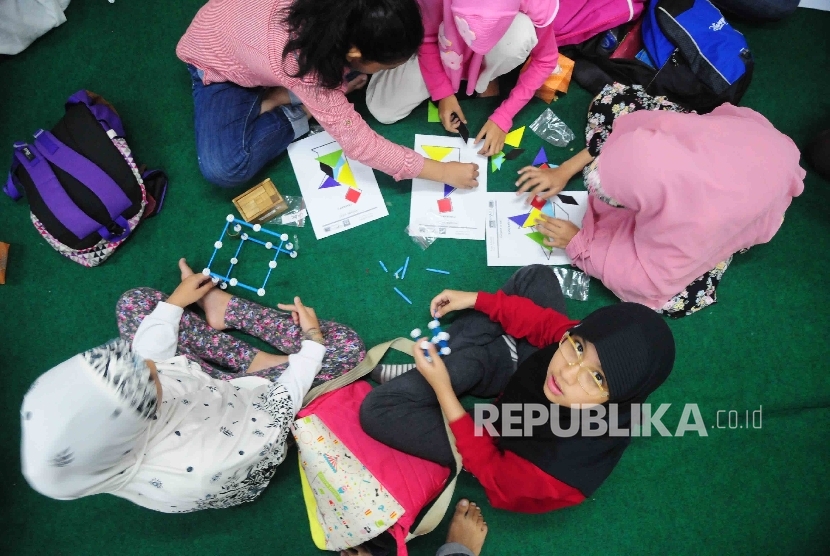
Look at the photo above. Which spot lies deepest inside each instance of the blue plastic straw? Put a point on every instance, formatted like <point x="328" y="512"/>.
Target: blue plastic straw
<point x="400" y="293"/>
<point x="405" y="265"/>
<point x="437" y="271"/>
<point x="383" y="266"/>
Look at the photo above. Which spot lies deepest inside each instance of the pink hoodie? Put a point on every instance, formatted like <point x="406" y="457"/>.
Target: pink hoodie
<point x="460" y="32"/>
<point x="697" y="188"/>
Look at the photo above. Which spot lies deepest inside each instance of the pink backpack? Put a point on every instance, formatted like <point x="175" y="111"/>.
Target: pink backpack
<point x="356" y="488"/>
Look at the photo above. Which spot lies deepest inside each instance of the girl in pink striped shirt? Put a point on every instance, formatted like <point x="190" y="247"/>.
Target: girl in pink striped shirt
<point x="261" y="68"/>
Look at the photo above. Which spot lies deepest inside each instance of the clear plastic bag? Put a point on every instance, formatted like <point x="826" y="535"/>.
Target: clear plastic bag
<point x="422" y="241"/>
<point x="549" y="127"/>
<point x="574" y="283"/>
<point x="294" y="216"/>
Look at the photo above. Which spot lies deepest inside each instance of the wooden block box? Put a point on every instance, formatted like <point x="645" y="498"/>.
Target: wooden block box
<point x="261" y="203"/>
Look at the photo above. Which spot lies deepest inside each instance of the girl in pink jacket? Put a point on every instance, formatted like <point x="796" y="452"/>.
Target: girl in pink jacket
<point x="673" y="195"/>
<point x="475" y="41"/>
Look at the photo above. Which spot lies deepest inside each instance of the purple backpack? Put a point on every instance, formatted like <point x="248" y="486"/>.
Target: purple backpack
<point x="86" y="193"/>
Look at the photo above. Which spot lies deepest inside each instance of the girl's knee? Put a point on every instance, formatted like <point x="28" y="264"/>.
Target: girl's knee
<point x="221" y="174"/>
<point x="517" y="42"/>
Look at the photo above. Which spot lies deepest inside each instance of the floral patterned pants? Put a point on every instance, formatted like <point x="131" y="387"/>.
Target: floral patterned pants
<point x="225" y="357"/>
<point x="612" y="102"/>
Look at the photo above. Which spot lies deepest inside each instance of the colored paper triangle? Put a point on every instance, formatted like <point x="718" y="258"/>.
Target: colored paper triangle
<point x="345" y="176"/>
<point x="514" y="138"/>
<point x="549" y="210"/>
<point x="533" y="218"/>
<point x="497" y="161"/>
<point x="544" y="166"/>
<point x="432" y="113"/>
<point x="329" y="182"/>
<point x="448" y="189"/>
<point x="340" y="163"/>
<point x="541" y="157"/>
<point x="437" y="153"/>
<point x="538" y="238"/>
<point x="519" y="219"/>
<point x="331" y="158"/>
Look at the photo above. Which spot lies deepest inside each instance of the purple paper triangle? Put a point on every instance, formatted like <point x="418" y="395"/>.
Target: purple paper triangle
<point x="520" y="219"/>
<point x="541" y="158"/>
<point x="448" y="189"/>
<point x="329" y="182"/>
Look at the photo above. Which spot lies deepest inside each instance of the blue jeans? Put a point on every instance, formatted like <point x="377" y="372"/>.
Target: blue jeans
<point x="233" y="140"/>
<point x="757" y="9"/>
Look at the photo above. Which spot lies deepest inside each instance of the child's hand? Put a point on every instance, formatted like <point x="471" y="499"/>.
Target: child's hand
<point x="451" y="300"/>
<point x="435" y="372"/>
<point x="446" y="107"/>
<point x="461" y="174"/>
<point x="544" y="183"/>
<point x="192" y="289"/>
<point x="305" y="317"/>
<point x="559" y="232"/>
<point x="493" y="137"/>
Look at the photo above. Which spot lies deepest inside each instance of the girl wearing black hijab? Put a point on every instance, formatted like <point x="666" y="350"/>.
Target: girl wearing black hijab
<point x="519" y="344"/>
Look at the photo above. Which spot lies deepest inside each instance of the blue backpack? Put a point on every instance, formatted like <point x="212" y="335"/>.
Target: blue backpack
<point x="701" y="60"/>
<point x="690" y="54"/>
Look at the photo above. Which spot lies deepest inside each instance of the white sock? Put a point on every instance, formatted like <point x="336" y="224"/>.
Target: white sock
<point x="384" y="373"/>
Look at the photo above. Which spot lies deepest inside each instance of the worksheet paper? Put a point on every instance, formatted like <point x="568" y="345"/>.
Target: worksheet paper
<point x="439" y="210"/>
<point x="512" y="239"/>
<point x="339" y="193"/>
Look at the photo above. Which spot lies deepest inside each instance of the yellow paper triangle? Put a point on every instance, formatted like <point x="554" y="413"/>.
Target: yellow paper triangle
<point x="345" y="176"/>
<point x="437" y="153"/>
<point x="514" y="138"/>
<point x="533" y="218"/>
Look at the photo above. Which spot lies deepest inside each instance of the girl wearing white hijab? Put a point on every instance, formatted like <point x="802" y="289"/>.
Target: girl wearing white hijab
<point x="163" y="434"/>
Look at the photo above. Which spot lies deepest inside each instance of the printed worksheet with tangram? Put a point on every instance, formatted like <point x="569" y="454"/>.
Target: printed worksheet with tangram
<point x="440" y="210"/>
<point x="339" y="193"/>
<point x="512" y="239"/>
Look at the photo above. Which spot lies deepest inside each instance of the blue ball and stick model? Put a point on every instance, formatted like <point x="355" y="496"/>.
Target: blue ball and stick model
<point x="282" y="247"/>
<point x="440" y="338"/>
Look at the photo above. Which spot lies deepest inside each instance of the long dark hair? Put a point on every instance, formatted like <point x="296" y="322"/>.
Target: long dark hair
<point x="323" y="31"/>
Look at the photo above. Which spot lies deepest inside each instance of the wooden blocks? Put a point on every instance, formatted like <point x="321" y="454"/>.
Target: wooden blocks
<point x="261" y="203"/>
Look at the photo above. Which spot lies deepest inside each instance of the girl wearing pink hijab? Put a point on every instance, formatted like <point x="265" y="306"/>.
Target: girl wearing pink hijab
<point x="673" y="195"/>
<point x="476" y="41"/>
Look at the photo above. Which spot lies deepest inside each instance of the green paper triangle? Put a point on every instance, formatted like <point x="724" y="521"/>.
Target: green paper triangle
<point x="331" y="158"/>
<point x="539" y="238"/>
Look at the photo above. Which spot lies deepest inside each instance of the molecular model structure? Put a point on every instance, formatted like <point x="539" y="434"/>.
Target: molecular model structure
<point x="439" y="337"/>
<point x="282" y="247"/>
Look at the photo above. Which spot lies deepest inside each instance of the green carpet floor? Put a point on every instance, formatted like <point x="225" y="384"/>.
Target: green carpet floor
<point x="763" y="345"/>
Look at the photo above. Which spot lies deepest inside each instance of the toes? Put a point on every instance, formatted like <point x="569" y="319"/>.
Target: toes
<point x="461" y="507"/>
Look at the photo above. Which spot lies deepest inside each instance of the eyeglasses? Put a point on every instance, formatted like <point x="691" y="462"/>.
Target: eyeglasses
<point x="591" y="379"/>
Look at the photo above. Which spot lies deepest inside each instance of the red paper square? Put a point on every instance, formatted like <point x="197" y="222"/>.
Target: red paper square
<point x="353" y="195"/>
<point x="537" y="202"/>
<point x="445" y="205"/>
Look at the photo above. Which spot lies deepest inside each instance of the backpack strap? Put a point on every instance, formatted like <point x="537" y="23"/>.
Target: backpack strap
<point x="102" y="112"/>
<point x="91" y="176"/>
<point x="13" y="188"/>
<point x="439" y="507"/>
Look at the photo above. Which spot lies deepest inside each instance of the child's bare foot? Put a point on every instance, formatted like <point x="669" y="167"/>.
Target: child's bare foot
<point x="467" y="526"/>
<point x="357" y="83"/>
<point x="263" y="360"/>
<point x="214" y="303"/>
<point x="492" y="89"/>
